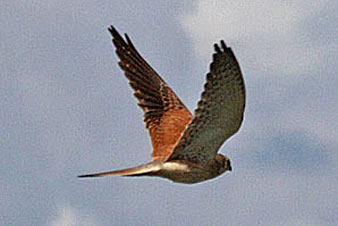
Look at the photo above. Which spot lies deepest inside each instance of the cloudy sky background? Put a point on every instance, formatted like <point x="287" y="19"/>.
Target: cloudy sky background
<point x="66" y="109"/>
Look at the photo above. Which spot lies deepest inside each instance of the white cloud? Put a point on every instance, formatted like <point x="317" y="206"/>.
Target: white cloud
<point x="270" y="33"/>
<point x="68" y="216"/>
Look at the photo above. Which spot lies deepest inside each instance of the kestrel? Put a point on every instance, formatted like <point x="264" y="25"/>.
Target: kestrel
<point x="184" y="146"/>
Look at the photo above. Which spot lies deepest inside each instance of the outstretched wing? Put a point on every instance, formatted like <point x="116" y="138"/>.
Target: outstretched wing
<point x="165" y="115"/>
<point x="219" y="113"/>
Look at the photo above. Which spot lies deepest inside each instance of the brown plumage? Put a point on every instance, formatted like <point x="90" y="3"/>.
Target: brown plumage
<point x="164" y="113"/>
<point x="184" y="147"/>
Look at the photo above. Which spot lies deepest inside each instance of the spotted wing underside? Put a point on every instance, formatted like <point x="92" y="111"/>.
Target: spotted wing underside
<point x="165" y="115"/>
<point x="219" y="113"/>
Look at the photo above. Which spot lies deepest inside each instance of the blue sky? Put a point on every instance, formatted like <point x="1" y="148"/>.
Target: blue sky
<point x="66" y="109"/>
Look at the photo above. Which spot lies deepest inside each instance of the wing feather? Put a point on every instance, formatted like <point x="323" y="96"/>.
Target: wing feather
<point x="219" y="112"/>
<point x="165" y="115"/>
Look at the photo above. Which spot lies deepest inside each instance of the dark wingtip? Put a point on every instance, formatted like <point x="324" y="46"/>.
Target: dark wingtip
<point x="127" y="38"/>
<point x="112" y="29"/>
<point x="224" y="46"/>
<point x="114" y="32"/>
<point x="217" y="49"/>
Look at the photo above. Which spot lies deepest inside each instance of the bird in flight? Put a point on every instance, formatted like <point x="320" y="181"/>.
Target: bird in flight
<point x="185" y="146"/>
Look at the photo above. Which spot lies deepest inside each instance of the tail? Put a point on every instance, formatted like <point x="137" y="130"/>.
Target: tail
<point x="145" y="169"/>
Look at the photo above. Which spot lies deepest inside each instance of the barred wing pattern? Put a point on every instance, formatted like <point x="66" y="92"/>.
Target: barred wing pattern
<point x="219" y="113"/>
<point x="165" y="115"/>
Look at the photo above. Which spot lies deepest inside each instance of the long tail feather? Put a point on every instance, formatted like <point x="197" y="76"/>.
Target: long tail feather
<point x="144" y="169"/>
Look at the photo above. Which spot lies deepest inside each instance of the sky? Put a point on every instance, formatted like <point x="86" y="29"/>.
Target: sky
<point x="66" y="109"/>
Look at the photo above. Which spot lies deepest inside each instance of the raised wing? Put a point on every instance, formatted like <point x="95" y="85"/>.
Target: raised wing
<point x="165" y="115"/>
<point x="219" y="113"/>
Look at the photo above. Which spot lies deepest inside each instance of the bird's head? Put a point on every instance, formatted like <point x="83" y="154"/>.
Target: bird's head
<point x="222" y="163"/>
